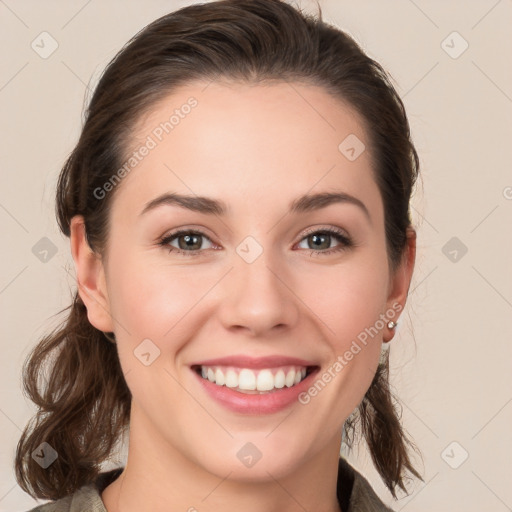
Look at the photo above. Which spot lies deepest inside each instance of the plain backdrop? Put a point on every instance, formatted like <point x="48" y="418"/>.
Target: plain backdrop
<point x="451" y="358"/>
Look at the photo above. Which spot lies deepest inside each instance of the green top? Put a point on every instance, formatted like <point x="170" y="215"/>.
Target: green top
<point x="353" y="490"/>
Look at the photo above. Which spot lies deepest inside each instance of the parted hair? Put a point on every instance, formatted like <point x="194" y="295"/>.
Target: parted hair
<point x="83" y="402"/>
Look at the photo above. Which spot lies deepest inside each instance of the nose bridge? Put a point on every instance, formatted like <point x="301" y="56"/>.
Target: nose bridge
<point x="257" y="297"/>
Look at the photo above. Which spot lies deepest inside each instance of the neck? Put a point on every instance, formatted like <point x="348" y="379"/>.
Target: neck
<point x="157" y="477"/>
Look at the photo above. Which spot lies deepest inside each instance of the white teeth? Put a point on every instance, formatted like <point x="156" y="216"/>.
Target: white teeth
<point x="247" y="380"/>
<point x="279" y="379"/>
<point x="231" y="379"/>
<point x="219" y="377"/>
<point x="265" y="381"/>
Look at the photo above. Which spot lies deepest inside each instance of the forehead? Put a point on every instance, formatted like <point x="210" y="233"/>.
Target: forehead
<point x="247" y="144"/>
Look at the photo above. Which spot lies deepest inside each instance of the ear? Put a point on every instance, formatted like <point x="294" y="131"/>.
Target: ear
<point x="90" y="276"/>
<point x="400" y="281"/>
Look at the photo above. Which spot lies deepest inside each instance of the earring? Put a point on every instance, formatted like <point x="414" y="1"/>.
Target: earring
<point x="110" y="337"/>
<point x="391" y="324"/>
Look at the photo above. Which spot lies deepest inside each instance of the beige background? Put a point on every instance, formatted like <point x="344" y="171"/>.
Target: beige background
<point x="452" y="355"/>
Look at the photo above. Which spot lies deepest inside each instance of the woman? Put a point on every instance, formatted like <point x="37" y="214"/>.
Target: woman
<point x="238" y="214"/>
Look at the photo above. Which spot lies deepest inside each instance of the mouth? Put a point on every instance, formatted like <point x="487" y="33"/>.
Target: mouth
<point x="252" y="381"/>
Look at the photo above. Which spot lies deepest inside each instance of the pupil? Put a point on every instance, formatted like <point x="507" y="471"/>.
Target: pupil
<point x="190" y="240"/>
<point x="318" y="238"/>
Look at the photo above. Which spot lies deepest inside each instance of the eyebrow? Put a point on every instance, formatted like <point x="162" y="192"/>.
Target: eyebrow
<point x="209" y="206"/>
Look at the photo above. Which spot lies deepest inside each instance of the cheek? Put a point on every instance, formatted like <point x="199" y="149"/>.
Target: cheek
<point x="147" y="301"/>
<point x="158" y="300"/>
<point x="346" y="300"/>
<point x="152" y="302"/>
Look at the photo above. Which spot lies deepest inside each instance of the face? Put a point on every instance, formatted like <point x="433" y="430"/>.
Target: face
<point x="276" y="274"/>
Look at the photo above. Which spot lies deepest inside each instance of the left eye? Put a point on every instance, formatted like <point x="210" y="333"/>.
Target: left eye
<point x="322" y="240"/>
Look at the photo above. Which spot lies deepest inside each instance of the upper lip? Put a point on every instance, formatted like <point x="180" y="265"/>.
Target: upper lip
<point x="244" y="361"/>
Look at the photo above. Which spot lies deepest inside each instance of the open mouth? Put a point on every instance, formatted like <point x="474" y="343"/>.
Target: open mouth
<point x="255" y="381"/>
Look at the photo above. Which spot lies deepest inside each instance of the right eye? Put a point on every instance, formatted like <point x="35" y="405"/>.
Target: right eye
<point x="189" y="242"/>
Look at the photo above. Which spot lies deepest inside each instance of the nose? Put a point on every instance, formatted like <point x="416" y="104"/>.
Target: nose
<point x="258" y="298"/>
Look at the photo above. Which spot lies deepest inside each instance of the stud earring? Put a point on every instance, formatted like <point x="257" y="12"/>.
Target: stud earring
<point x="391" y="324"/>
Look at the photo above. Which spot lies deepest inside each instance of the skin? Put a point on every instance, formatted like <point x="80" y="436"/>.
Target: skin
<point x="256" y="148"/>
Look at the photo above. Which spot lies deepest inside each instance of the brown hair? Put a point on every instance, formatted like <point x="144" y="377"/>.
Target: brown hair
<point x="84" y="405"/>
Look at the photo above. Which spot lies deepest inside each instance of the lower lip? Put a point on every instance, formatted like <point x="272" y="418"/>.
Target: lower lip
<point x="245" y="403"/>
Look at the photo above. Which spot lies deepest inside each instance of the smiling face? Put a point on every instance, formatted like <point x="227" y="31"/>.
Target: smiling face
<point x="262" y="269"/>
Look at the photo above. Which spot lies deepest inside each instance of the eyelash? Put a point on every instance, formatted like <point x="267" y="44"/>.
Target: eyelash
<point x="345" y="241"/>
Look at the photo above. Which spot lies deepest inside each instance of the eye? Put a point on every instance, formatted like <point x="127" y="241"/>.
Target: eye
<point x="323" y="238"/>
<point x="188" y="242"/>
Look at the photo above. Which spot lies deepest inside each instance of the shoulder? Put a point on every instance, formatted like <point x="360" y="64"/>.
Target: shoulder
<point x="85" y="499"/>
<point x="355" y="493"/>
<point x="54" y="506"/>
